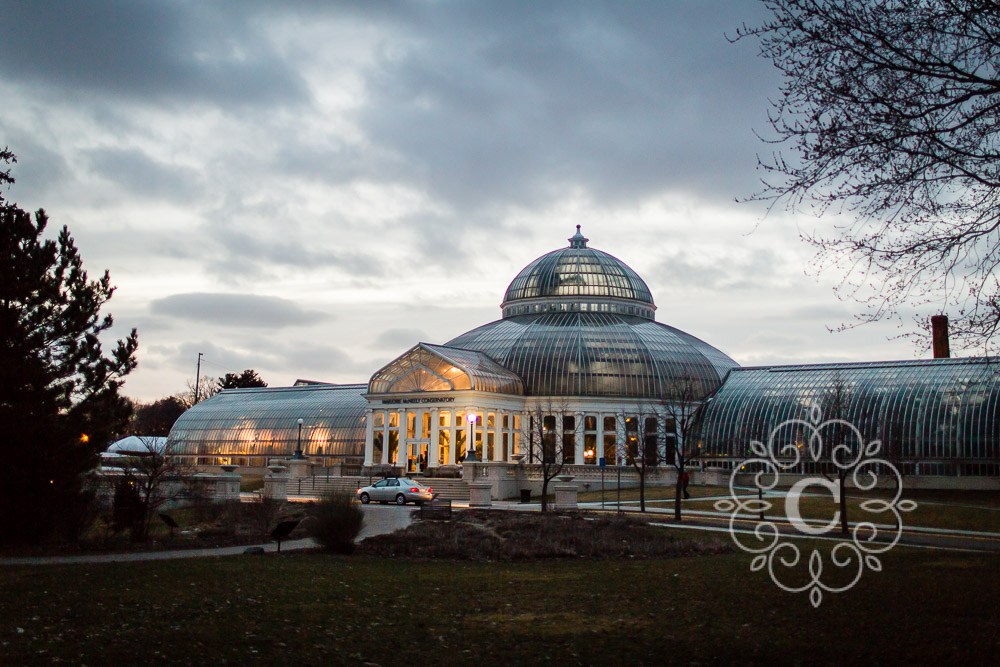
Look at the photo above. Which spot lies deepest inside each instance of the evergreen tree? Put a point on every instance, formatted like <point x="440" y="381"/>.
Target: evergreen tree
<point x="157" y="418"/>
<point x="247" y="378"/>
<point x="59" y="401"/>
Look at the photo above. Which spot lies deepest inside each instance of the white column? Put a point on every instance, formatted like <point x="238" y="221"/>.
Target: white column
<point x="497" y="436"/>
<point x="452" y="442"/>
<point x="432" y="449"/>
<point x="369" y="439"/>
<point x="578" y="437"/>
<point x="385" y="437"/>
<point x="621" y="446"/>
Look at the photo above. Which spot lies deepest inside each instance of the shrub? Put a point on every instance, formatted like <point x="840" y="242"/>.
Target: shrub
<point x="127" y="511"/>
<point x="335" y="522"/>
<point x="261" y="514"/>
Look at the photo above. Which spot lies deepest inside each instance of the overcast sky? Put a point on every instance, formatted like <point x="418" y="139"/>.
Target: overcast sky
<point x="310" y="188"/>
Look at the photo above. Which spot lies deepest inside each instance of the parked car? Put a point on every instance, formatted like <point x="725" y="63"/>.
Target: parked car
<point x="399" y="490"/>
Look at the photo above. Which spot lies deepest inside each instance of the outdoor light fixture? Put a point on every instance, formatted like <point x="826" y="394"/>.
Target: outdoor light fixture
<point x="298" y="449"/>
<point x="470" y="447"/>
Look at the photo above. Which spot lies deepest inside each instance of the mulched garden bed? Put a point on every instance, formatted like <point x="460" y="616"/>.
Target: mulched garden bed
<point x="517" y="536"/>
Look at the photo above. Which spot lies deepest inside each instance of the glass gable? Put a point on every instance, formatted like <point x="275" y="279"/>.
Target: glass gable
<point x="441" y="368"/>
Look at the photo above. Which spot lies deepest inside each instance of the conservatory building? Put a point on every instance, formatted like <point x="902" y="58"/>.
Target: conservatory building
<point x="577" y="369"/>
<point x="577" y="365"/>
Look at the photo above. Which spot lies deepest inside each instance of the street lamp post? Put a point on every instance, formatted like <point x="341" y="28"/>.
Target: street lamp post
<point x="470" y="448"/>
<point x="298" y="449"/>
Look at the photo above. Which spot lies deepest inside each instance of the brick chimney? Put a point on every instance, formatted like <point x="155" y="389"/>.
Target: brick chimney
<point x="939" y="331"/>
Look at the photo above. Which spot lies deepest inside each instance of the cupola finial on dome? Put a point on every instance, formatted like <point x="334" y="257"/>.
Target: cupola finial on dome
<point x="578" y="240"/>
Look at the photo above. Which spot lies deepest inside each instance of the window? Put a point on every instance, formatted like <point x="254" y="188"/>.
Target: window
<point x="444" y="437"/>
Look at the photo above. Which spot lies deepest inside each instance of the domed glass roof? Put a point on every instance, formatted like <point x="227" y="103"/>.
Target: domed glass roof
<point x="578" y="278"/>
<point x="579" y="322"/>
<point x="600" y="354"/>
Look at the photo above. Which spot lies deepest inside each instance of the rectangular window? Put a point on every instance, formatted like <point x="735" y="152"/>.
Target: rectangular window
<point x="548" y="453"/>
<point x="393" y="446"/>
<point x="490" y="444"/>
<point x="443" y="441"/>
<point x="377" y="447"/>
<point x="379" y="419"/>
<point x="411" y="422"/>
<point x="425" y="426"/>
<point x="517" y="422"/>
<point x="569" y="448"/>
<point x="505" y="446"/>
<point x="394" y="419"/>
<point x="491" y="420"/>
<point x="459" y="419"/>
<point x="460" y="445"/>
<point x="569" y="423"/>
<point x="590" y="423"/>
<point x="609" y="424"/>
<point x="505" y="421"/>
<point x="590" y="455"/>
<point x="515" y="443"/>
<point x="444" y="418"/>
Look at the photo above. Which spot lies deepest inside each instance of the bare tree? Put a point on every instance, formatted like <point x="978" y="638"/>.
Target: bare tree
<point x="149" y="479"/>
<point x="641" y="443"/>
<point x="681" y="411"/>
<point x="207" y="387"/>
<point x="891" y="110"/>
<point x="545" y="441"/>
<point x="842" y="449"/>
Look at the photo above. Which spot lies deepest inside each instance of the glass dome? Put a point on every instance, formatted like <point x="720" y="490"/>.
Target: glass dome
<point x="578" y="279"/>
<point x="600" y="354"/>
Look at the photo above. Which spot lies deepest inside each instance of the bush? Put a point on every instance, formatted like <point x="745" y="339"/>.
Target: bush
<point x="127" y="511"/>
<point x="261" y="514"/>
<point x="335" y="522"/>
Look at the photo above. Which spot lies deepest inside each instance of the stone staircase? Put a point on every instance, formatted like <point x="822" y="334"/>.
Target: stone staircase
<point x="447" y="488"/>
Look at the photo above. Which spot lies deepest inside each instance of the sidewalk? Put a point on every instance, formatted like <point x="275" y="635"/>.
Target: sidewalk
<point x="378" y="521"/>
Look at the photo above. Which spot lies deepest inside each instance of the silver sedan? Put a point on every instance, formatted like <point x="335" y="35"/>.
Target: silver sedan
<point x="399" y="490"/>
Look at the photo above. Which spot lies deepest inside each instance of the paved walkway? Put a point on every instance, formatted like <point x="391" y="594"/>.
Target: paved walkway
<point x="378" y="521"/>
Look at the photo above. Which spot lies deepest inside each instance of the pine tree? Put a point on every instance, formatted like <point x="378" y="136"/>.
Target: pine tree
<point x="246" y="379"/>
<point x="59" y="401"/>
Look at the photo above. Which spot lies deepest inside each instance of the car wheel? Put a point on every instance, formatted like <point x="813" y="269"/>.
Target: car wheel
<point x="365" y="499"/>
<point x="401" y="499"/>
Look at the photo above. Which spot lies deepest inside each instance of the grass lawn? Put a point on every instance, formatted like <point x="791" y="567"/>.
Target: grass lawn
<point x="309" y="608"/>
<point x="958" y="510"/>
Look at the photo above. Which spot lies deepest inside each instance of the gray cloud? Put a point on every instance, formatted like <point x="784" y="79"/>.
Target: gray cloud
<point x="736" y="270"/>
<point x="399" y="339"/>
<point x="522" y="103"/>
<point x="245" y="253"/>
<point x="166" y="51"/>
<point x="141" y="175"/>
<point x="237" y="310"/>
